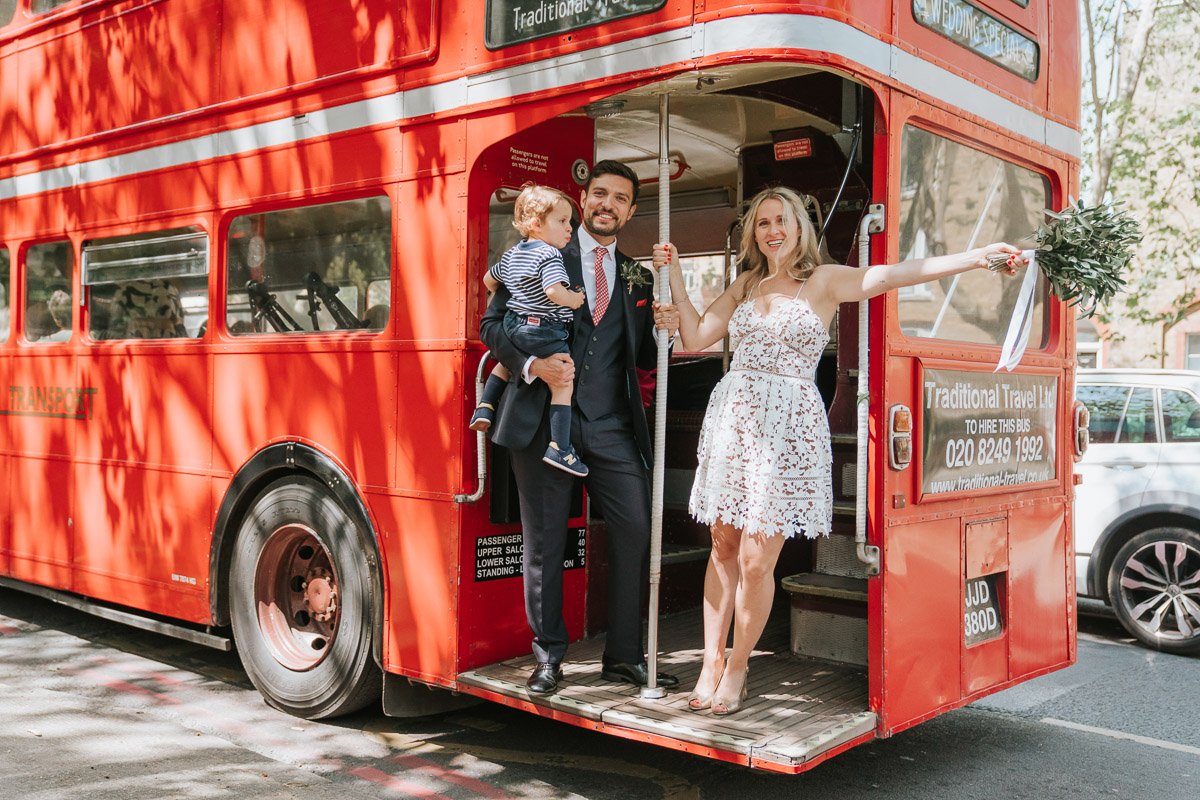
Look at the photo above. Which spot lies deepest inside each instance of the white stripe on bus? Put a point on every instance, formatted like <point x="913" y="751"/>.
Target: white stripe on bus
<point x="758" y="32"/>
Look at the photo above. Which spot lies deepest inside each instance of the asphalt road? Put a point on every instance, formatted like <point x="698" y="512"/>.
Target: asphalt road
<point x="93" y="710"/>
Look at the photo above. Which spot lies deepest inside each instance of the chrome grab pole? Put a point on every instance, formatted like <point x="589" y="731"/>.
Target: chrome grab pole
<point x="652" y="690"/>
<point x="480" y="443"/>
<point x="867" y="554"/>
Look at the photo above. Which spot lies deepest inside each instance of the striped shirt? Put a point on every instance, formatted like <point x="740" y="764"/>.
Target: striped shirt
<point x="527" y="269"/>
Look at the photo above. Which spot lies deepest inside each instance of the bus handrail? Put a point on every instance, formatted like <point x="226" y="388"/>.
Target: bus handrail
<point x="480" y="440"/>
<point x="872" y="222"/>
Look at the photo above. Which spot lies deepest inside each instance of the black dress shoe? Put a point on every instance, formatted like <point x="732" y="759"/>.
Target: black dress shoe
<point x="637" y="674"/>
<point x="544" y="679"/>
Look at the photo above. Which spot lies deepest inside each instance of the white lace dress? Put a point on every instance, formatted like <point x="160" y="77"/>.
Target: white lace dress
<point x="764" y="459"/>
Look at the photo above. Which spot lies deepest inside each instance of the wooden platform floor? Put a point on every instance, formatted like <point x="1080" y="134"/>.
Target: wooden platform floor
<point x="797" y="708"/>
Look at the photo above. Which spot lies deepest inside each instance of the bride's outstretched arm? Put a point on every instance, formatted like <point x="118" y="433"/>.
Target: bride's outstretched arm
<point x="849" y="285"/>
<point x="698" y="330"/>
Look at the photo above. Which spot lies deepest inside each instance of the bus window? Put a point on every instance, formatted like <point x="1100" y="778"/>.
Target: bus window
<point x="953" y="198"/>
<point x="148" y="285"/>
<point x="4" y="262"/>
<point x="312" y="269"/>
<point x="501" y="233"/>
<point x="703" y="276"/>
<point x="48" y="292"/>
<point x="7" y="9"/>
<point x="45" y="6"/>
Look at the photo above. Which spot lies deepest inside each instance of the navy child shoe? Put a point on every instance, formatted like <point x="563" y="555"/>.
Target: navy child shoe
<point x="566" y="460"/>
<point x="481" y="420"/>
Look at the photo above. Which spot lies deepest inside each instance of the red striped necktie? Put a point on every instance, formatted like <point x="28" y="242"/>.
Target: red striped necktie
<point x="601" y="300"/>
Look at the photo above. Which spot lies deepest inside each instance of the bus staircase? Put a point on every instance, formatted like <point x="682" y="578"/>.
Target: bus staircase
<point x="807" y="684"/>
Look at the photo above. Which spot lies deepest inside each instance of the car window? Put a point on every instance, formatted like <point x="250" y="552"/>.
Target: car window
<point x="1181" y="416"/>
<point x="1106" y="404"/>
<point x="1138" y="425"/>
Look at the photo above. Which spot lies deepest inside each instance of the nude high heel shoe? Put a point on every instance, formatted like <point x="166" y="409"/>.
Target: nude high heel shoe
<point x="721" y="709"/>
<point x="699" y="701"/>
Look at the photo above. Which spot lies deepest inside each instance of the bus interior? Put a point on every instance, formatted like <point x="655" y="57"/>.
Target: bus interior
<point x="731" y="134"/>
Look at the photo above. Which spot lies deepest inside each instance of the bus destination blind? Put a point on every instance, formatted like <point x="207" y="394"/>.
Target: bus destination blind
<point x="514" y="21"/>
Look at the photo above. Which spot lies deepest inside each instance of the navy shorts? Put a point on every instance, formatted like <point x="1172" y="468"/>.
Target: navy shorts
<point x="540" y="337"/>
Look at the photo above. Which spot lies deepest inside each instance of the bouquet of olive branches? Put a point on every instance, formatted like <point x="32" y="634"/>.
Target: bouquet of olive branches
<point x="1083" y="252"/>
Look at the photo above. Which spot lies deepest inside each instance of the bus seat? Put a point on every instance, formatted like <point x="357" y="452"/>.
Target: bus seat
<point x="146" y="309"/>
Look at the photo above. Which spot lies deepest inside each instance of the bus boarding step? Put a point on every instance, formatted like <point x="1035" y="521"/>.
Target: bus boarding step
<point x="684" y="553"/>
<point x="828" y="617"/>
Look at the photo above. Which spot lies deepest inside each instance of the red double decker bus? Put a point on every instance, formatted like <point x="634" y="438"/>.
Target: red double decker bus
<point x="240" y="263"/>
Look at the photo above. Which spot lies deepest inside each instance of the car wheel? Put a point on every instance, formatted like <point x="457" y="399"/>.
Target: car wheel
<point x="300" y="602"/>
<point x="1154" y="587"/>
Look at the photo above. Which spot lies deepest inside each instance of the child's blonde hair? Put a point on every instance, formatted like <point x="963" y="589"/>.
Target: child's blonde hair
<point x="534" y="204"/>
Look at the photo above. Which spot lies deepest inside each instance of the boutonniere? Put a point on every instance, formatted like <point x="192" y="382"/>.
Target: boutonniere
<point x="634" y="274"/>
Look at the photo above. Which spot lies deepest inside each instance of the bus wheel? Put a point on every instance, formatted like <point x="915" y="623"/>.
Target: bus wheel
<point x="300" y="602"/>
<point x="1154" y="586"/>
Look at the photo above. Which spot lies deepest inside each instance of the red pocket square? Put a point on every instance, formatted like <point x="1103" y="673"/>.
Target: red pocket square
<point x="641" y="303"/>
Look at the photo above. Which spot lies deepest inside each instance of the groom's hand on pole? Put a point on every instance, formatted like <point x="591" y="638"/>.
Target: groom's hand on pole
<point x="558" y="370"/>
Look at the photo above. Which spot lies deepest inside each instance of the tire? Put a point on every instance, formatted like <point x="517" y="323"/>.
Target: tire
<point x="1154" y="588"/>
<point x="301" y="602"/>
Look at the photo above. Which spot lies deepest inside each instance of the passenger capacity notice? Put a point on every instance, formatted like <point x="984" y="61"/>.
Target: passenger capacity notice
<point x="499" y="556"/>
<point x="983" y="430"/>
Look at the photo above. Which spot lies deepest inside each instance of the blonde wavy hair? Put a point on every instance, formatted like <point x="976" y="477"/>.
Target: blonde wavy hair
<point x="534" y="204"/>
<point x="807" y="254"/>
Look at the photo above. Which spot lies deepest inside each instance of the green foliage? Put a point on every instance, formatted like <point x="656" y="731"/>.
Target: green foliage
<point x="1084" y="252"/>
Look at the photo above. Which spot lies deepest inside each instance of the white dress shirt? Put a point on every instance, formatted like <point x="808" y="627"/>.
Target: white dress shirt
<point x="587" y="259"/>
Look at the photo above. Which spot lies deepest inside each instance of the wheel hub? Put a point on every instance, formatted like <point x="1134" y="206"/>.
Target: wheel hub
<point x="320" y="594"/>
<point x="296" y="594"/>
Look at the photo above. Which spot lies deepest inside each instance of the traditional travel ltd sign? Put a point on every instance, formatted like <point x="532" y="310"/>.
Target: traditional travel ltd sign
<point x="983" y="431"/>
<point x="513" y="21"/>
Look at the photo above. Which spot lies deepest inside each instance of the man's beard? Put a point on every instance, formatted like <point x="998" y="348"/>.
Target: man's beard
<point x="589" y="223"/>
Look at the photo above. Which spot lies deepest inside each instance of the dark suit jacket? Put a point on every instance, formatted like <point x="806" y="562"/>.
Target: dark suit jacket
<point x="524" y="405"/>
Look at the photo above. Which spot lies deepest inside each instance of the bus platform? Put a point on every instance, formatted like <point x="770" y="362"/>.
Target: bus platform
<point x="797" y="708"/>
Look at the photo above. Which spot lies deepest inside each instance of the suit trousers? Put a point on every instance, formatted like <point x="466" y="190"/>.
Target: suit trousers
<point x="617" y="482"/>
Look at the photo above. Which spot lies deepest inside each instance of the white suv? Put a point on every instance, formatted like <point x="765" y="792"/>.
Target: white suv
<point x="1137" y="512"/>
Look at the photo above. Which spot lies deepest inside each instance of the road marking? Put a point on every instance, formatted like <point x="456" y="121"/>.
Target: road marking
<point x="1133" y="737"/>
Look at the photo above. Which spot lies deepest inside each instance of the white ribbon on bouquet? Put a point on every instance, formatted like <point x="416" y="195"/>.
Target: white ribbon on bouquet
<point x="1017" y="338"/>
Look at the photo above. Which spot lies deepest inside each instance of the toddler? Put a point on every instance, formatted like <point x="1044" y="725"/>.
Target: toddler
<point x="539" y="312"/>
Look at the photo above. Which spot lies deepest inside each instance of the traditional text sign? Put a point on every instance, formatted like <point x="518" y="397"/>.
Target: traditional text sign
<point x="512" y="21"/>
<point x="983" y="430"/>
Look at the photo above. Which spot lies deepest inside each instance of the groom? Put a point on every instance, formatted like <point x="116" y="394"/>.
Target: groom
<point x="613" y="334"/>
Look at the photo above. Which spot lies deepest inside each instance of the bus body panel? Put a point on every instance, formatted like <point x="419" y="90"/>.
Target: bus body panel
<point x="417" y="541"/>
<point x="277" y="64"/>
<point x="142" y="467"/>
<point x="173" y="423"/>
